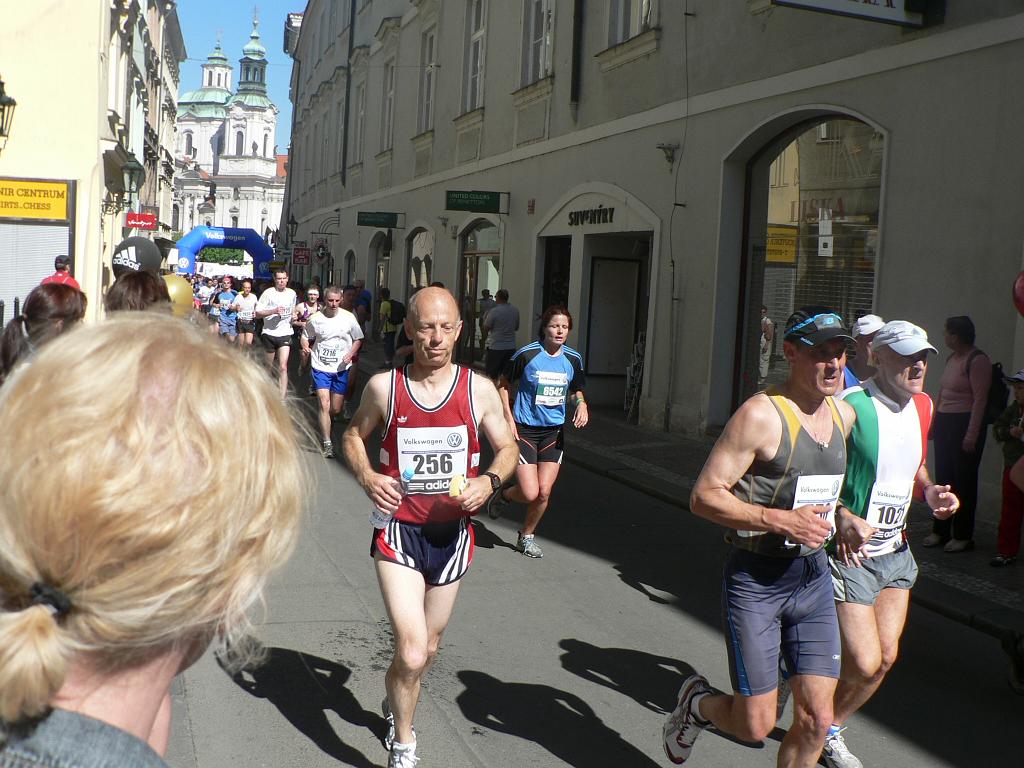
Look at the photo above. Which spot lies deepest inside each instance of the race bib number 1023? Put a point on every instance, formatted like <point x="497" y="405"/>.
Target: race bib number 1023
<point x="434" y="454"/>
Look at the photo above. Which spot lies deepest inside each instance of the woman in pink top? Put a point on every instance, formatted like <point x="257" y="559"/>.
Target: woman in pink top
<point x="959" y="432"/>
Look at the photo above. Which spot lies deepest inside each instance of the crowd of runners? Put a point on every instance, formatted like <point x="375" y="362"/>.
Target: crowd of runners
<point x="813" y="479"/>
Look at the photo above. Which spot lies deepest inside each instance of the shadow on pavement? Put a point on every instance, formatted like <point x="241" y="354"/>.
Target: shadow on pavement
<point x="485" y="538"/>
<point x="304" y="688"/>
<point x="560" y="722"/>
<point x="651" y="681"/>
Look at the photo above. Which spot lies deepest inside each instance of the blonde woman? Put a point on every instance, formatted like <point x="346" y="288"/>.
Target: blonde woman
<point x="113" y="578"/>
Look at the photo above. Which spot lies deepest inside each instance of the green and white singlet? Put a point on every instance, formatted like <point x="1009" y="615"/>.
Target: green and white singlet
<point x="886" y="448"/>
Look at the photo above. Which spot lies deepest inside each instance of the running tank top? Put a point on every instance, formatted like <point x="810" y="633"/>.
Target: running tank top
<point x="802" y="472"/>
<point x="435" y="443"/>
<point x="887" y="446"/>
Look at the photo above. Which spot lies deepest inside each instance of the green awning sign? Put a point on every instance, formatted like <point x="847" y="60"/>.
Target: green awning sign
<point x="476" y="201"/>
<point x="381" y="219"/>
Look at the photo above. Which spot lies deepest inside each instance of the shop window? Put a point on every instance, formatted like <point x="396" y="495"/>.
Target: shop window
<point x="480" y="269"/>
<point x="814" y="238"/>
<point x="421" y="261"/>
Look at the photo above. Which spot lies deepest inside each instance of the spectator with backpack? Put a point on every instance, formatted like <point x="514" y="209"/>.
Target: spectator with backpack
<point x="392" y="315"/>
<point x="959" y="430"/>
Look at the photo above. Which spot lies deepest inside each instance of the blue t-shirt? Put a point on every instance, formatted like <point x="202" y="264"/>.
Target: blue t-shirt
<point x="226" y="298"/>
<point x="545" y="382"/>
<point x="849" y="378"/>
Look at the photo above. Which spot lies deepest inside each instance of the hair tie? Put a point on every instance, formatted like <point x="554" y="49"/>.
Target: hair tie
<point x="55" y="601"/>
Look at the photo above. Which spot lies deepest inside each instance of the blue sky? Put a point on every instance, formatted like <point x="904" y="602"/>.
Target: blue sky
<point x="202" y="19"/>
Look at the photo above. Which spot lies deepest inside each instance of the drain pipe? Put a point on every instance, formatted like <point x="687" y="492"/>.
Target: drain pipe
<point x="348" y="92"/>
<point x="673" y="316"/>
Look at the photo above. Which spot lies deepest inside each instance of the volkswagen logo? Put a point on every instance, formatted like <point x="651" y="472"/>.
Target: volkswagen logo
<point x="454" y="439"/>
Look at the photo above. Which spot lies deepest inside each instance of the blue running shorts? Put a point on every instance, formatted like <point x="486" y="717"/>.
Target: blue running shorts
<point x="336" y="382"/>
<point x="772" y="605"/>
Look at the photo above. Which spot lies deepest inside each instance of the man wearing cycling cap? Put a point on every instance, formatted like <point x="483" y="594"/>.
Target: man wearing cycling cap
<point x="773" y="478"/>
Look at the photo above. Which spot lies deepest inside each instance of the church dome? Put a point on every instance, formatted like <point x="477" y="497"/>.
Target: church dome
<point x="254" y="48"/>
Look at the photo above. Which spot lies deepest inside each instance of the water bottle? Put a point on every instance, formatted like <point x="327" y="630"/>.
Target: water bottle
<point x="380" y="519"/>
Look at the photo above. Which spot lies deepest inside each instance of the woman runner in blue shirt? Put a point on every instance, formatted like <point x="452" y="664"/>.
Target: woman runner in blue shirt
<point x="549" y="374"/>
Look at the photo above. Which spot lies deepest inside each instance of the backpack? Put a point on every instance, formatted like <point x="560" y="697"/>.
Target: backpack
<point x="998" y="392"/>
<point x="397" y="316"/>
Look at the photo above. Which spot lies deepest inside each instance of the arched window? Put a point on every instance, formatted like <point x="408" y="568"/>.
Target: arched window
<point x="266" y="141"/>
<point x="240" y="143"/>
<point x="209" y="78"/>
<point x="189" y="147"/>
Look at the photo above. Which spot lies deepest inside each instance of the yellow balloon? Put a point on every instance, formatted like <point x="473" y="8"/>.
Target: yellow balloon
<point x="181" y="294"/>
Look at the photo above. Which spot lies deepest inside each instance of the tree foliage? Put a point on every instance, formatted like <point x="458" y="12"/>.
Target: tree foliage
<point x="231" y="256"/>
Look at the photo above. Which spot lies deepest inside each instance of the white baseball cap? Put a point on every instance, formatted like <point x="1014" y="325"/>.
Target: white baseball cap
<point x="867" y="325"/>
<point x="1017" y="378"/>
<point x="902" y="337"/>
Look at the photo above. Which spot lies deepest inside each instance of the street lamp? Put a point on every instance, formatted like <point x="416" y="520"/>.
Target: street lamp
<point x="293" y="227"/>
<point x="133" y="175"/>
<point x="7" y="105"/>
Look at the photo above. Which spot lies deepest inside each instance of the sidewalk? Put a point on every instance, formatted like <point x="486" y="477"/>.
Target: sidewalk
<point x="961" y="587"/>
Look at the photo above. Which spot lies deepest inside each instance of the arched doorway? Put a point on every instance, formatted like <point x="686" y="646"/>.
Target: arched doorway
<point x="479" y="270"/>
<point x="419" y="260"/>
<point x="350" y="267"/>
<point x="380" y="259"/>
<point x="811" y="236"/>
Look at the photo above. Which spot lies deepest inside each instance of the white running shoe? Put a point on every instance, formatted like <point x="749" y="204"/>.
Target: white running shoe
<point x="682" y="728"/>
<point x="836" y="753"/>
<point x="403" y="756"/>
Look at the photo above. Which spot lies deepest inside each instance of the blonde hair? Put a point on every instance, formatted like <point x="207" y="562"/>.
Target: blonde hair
<point x="130" y="485"/>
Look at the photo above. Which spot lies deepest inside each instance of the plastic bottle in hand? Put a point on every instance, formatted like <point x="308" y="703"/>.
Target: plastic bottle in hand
<point x="381" y="519"/>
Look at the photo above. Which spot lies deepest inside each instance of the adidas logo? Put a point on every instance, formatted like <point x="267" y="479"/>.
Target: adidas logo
<point x="402" y="419"/>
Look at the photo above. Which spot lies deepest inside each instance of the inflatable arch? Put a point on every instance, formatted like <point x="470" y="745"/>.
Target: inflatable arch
<point x="248" y="240"/>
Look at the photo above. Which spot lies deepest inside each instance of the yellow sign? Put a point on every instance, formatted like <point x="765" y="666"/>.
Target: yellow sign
<point x="781" y="244"/>
<point x="29" y="199"/>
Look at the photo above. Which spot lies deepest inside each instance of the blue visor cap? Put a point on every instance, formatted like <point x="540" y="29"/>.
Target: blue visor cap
<point x="815" y="329"/>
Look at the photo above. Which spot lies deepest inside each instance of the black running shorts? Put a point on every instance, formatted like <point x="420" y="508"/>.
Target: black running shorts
<point x="537" y="444"/>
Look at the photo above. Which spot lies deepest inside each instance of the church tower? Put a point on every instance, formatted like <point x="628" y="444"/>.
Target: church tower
<point x="217" y="71"/>
<point x="253" y="64"/>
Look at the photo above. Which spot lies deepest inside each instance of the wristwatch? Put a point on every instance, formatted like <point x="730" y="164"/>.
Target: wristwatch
<point x="495" y="480"/>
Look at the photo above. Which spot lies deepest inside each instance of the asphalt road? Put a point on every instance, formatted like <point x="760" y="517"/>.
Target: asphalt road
<point x="569" y="660"/>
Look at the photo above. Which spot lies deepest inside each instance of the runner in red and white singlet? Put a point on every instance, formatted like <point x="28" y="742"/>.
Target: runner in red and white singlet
<point x="429" y="413"/>
<point x="436" y="443"/>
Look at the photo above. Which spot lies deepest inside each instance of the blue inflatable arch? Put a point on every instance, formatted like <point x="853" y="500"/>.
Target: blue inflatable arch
<point x="248" y="240"/>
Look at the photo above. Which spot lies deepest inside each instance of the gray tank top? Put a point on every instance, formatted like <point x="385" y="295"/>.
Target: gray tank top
<point x="803" y="470"/>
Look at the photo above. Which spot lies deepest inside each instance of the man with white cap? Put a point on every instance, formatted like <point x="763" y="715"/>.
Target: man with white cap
<point x="885" y="468"/>
<point x="859" y="366"/>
